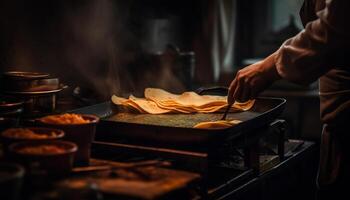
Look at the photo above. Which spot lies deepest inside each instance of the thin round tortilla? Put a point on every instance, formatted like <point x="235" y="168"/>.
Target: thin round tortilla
<point x="221" y="124"/>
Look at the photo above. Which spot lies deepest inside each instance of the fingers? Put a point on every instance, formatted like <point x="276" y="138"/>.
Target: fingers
<point x="240" y="89"/>
<point x="246" y="92"/>
<point x="252" y="80"/>
<point x="231" y="91"/>
<point x="237" y="95"/>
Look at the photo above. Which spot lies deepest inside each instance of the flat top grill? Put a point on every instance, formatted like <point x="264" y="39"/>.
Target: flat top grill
<point x="177" y="129"/>
<point x="172" y="138"/>
<point x="262" y="107"/>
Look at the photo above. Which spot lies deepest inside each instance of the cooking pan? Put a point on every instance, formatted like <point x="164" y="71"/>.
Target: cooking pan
<point x="177" y="129"/>
<point x="35" y="85"/>
<point x="21" y="81"/>
<point x="23" y="75"/>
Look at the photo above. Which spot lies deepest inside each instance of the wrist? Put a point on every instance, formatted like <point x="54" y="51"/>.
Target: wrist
<point x="270" y="68"/>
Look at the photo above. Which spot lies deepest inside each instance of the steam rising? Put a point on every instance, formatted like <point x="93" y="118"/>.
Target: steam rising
<point x="95" y="52"/>
<point x="86" y="43"/>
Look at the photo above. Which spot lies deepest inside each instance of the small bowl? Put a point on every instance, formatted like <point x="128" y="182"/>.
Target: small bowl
<point x="53" y="156"/>
<point x="41" y="134"/>
<point x="11" y="178"/>
<point x="82" y="134"/>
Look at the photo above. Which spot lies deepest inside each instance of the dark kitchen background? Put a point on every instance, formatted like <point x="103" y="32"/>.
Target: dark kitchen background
<point x="105" y="47"/>
<point x="98" y="48"/>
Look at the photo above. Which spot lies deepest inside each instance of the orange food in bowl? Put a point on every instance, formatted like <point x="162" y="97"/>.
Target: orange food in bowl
<point x="42" y="149"/>
<point x="25" y="133"/>
<point x="65" y="119"/>
<point x="78" y="128"/>
<point x="53" y="156"/>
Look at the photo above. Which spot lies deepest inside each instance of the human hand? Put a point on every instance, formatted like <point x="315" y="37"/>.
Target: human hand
<point x="252" y="80"/>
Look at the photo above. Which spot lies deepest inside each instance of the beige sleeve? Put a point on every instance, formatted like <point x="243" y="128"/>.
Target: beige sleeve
<point x="321" y="46"/>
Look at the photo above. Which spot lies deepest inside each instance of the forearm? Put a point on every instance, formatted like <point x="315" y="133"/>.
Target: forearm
<point x="269" y="64"/>
<point x="307" y="56"/>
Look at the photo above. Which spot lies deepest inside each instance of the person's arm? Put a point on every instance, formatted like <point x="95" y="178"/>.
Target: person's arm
<point x="315" y="50"/>
<point x="301" y="59"/>
<point x="251" y="80"/>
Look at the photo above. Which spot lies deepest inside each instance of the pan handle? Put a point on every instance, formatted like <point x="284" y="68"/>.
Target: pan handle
<point x="215" y="90"/>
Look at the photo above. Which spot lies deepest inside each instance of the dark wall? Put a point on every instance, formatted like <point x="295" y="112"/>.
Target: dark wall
<point x="104" y="44"/>
<point x="99" y="44"/>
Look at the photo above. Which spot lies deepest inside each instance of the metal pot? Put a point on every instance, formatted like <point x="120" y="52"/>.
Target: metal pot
<point x="31" y="85"/>
<point x="38" y="103"/>
<point x="16" y="81"/>
<point x="37" y="90"/>
<point x="21" y="75"/>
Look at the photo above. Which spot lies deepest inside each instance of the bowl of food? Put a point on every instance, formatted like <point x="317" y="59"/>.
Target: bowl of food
<point x="78" y="128"/>
<point x="11" y="178"/>
<point x="53" y="156"/>
<point x="12" y="135"/>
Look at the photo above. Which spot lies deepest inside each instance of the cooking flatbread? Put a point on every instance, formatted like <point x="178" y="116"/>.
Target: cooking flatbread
<point x="148" y="106"/>
<point x="190" y="99"/>
<point x="221" y="124"/>
<point x="126" y="103"/>
<point x="158" y="101"/>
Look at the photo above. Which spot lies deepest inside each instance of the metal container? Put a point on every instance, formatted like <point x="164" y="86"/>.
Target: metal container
<point x="21" y="81"/>
<point x="22" y="75"/>
<point x="38" y="103"/>
<point x="37" y="90"/>
<point x="31" y="85"/>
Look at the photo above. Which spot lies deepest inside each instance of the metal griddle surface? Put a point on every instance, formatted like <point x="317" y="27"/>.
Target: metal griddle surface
<point x="178" y="120"/>
<point x="262" y="106"/>
<point x="176" y="129"/>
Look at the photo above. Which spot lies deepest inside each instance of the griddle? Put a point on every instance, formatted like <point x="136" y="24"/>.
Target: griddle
<point x="177" y="129"/>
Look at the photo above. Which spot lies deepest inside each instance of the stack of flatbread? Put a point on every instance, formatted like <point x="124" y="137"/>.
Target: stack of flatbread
<point x="158" y="101"/>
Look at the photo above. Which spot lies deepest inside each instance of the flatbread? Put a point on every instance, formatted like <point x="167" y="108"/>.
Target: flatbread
<point x="148" y="106"/>
<point x="221" y="124"/>
<point x="193" y="101"/>
<point x="126" y="103"/>
<point x="158" y="101"/>
<point x="188" y="99"/>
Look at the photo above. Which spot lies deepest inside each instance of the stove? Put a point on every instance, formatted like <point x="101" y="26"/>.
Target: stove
<point x="226" y="170"/>
<point x="222" y="170"/>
